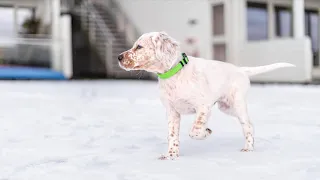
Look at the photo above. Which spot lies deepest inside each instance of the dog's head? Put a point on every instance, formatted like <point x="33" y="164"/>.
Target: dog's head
<point x="154" y="52"/>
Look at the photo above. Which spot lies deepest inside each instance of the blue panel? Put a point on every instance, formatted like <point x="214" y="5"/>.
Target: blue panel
<point x="7" y="72"/>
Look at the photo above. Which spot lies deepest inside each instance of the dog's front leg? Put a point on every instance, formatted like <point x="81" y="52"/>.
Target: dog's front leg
<point x="173" y="135"/>
<point x="199" y="130"/>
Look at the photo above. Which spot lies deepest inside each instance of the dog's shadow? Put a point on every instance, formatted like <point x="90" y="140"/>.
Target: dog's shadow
<point x="213" y="145"/>
<point x="209" y="146"/>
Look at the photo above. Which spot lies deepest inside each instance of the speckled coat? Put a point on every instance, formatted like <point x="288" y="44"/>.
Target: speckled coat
<point x="196" y="88"/>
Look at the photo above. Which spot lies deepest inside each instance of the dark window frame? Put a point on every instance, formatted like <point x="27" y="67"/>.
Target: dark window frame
<point x="308" y="24"/>
<point x="264" y="7"/>
<point x="223" y="47"/>
<point x="277" y="10"/>
<point x="214" y="19"/>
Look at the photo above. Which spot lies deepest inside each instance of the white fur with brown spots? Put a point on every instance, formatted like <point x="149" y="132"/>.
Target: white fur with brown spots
<point x="194" y="89"/>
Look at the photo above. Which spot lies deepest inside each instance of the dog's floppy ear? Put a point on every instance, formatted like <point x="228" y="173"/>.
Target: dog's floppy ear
<point x="164" y="45"/>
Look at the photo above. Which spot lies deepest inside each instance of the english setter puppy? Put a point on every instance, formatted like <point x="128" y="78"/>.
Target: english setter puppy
<point x="193" y="85"/>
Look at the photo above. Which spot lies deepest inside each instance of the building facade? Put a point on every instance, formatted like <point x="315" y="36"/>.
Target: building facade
<point x="242" y="32"/>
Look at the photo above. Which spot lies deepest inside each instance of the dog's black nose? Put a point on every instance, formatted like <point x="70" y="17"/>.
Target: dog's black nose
<point x="120" y="57"/>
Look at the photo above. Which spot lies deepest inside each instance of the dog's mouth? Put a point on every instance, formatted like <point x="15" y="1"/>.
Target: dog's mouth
<point x="130" y="66"/>
<point x="138" y="67"/>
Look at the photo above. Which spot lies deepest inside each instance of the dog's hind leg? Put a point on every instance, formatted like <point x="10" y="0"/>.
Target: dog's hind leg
<point x="240" y="107"/>
<point x="236" y="106"/>
<point x="199" y="130"/>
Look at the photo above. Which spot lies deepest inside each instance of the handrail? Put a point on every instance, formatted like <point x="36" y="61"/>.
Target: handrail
<point x="99" y="22"/>
<point x="122" y="19"/>
<point x="35" y="36"/>
<point x="21" y="49"/>
<point x="94" y="23"/>
<point x="28" y="41"/>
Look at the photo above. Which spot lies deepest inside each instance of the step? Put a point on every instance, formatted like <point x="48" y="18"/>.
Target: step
<point x="115" y="43"/>
<point x="115" y="35"/>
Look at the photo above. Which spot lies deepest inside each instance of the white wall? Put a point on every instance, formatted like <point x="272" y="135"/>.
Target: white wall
<point x="295" y="51"/>
<point x="172" y="17"/>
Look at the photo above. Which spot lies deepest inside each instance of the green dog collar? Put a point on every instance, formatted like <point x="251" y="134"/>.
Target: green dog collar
<point x="175" y="69"/>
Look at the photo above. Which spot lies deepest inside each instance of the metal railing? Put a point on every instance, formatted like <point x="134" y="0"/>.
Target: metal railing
<point x="122" y="20"/>
<point x="26" y="51"/>
<point x="98" y="23"/>
<point x="99" y="34"/>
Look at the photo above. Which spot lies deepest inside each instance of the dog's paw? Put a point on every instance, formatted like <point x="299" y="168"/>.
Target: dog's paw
<point x="200" y="134"/>
<point x="168" y="157"/>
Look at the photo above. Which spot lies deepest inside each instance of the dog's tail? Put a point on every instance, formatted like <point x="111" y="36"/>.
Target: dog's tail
<point x="251" y="71"/>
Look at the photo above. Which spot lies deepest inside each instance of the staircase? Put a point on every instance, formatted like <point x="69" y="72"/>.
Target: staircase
<point x="119" y="42"/>
<point x="110" y="33"/>
<point x="87" y="63"/>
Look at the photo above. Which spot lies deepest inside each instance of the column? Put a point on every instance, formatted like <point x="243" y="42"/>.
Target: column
<point x="298" y="19"/>
<point x="46" y="18"/>
<point x="271" y="20"/>
<point x="66" y="38"/>
<point x="15" y="20"/>
<point x="318" y="40"/>
<point x="55" y="30"/>
<point x="237" y="28"/>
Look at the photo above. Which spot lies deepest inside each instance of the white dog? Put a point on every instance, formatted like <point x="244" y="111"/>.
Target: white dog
<point x="193" y="85"/>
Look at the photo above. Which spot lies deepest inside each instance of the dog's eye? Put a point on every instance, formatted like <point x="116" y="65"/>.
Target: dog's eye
<point x="138" y="47"/>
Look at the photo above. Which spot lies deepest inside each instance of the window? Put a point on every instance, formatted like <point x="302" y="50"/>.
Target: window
<point x="312" y="30"/>
<point x="6" y="21"/>
<point x="257" y="21"/>
<point x="23" y="14"/>
<point x="283" y="21"/>
<point x="219" y="51"/>
<point x="218" y="19"/>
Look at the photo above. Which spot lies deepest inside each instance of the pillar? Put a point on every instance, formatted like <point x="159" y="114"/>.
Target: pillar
<point x="15" y="20"/>
<point x="298" y="19"/>
<point x="55" y="30"/>
<point x="271" y="20"/>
